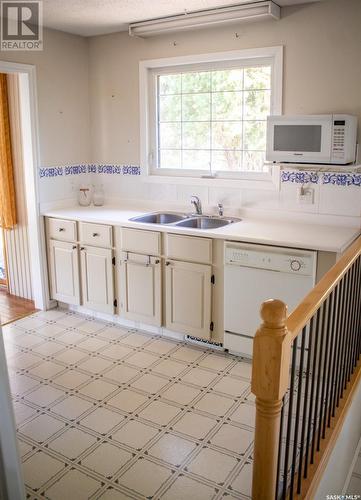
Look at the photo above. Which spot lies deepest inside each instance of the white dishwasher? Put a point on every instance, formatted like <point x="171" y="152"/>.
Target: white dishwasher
<point x="255" y="273"/>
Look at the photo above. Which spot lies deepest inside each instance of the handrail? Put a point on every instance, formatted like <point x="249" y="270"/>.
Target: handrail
<point x="324" y="336"/>
<point x="317" y="296"/>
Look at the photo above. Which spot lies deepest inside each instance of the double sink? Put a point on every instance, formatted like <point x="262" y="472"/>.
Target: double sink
<point x="184" y="220"/>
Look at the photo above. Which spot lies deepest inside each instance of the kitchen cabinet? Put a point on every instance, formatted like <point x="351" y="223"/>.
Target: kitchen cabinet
<point x="85" y="276"/>
<point x="64" y="271"/>
<point x="188" y="297"/>
<point x="97" y="279"/>
<point x="140" y="288"/>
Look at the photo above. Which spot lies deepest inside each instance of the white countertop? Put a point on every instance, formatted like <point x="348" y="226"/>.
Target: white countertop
<point x="249" y="230"/>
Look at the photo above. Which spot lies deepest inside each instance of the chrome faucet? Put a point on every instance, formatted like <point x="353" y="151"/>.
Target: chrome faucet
<point x="220" y="209"/>
<point x="197" y="204"/>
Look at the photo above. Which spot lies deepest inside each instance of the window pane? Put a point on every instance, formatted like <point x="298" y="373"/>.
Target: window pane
<point x="229" y="79"/>
<point x="196" y="135"/>
<point x="170" y="159"/>
<point x="227" y="106"/>
<point x="196" y="82"/>
<point x="257" y="104"/>
<point x="226" y="160"/>
<point x="196" y="107"/>
<point x="257" y="78"/>
<point x="226" y="135"/>
<point x="169" y="84"/>
<point x="254" y="136"/>
<point x="254" y="161"/>
<point x="170" y="108"/>
<point x="197" y="160"/>
<point x="170" y="135"/>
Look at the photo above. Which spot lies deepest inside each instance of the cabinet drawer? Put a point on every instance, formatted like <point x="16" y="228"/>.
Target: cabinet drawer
<point x="60" y="229"/>
<point x="139" y="241"/>
<point x="97" y="235"/>
<point x="189" y="248"/>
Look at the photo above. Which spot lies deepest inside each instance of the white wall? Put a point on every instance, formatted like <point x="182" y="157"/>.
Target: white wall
<point x="63" y="96"/>
<point x="322" y="74"/>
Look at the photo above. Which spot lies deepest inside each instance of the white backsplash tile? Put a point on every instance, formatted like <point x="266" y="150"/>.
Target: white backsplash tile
<point x="340" y="200"/>
<point x="288" y="198"/>
<point x="228" y="197"/>
<point x="184" y="194"/>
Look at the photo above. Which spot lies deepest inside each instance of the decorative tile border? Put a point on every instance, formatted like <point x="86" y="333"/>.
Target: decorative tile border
<point x="299" y="177"/>
<point x="342" y="179"/>
<point x="334" y="178"/>
<point x="89" y="169"/>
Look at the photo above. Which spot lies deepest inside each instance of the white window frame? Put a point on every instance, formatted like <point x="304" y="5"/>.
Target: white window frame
<point x="147" y="90"/>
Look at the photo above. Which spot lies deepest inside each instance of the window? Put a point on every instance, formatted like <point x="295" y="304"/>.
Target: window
<point x="209" y="118"/>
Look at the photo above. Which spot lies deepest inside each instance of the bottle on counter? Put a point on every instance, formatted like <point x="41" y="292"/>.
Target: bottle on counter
<point x="98" y="196"/>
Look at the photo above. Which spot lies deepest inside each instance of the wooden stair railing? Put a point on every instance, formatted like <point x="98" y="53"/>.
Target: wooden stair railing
<point x="304" y="371"/>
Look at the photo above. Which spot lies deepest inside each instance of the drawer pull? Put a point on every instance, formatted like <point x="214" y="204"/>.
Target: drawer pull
<point x="61" y="229"/>
<point x="82" y="248"/>
<point x="167" y="263"/>
<point x="74" y="247"/>
<point x="157" y="261"/>
<point x="95" y="235"/>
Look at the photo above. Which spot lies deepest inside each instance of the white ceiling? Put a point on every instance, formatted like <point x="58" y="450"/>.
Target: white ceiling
<point x="98" y="17"/>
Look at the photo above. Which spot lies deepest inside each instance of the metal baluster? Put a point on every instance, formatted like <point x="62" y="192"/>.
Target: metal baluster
<point x="318" y="382"/>
<point x="289" y="417"/>
<point x="323" y="410"/>
<point x="305" y="408"/>
<point x="343" y="341"/>
<point x="352" y="314"/>
<point x="347" y="329"/>
<point x="313" y="384"/>
<point x="331" y="362"/>
<point x="338" y="344"/>
<point x="280" y="449"/>
<point x="298" y="408"/>
<point x="358" y="319"/>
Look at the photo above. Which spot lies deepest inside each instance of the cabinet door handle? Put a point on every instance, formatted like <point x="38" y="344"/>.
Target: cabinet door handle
<point x="157" y="261"/>
<point x="61" y="229"/>
<point x="167" y="263"/>
<point x="74" y="247"/>
<point x="95" y="234"/>
<point x="82" y="248"/>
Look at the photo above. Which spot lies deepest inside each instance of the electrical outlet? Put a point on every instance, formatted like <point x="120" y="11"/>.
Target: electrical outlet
<point x="305" y="196"/>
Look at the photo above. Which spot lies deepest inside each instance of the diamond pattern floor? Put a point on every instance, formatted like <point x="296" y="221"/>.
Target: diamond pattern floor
<point x="106" y="412"/>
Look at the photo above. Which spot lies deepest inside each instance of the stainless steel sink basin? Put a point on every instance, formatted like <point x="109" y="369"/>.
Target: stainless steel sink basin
<point x="159" y="218"/>
<point x="205" y="222"/>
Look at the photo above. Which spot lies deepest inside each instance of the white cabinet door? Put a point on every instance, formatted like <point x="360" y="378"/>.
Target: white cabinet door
<point x="140" y="288"/>
<point x="64" y="272"/>
<point x="188" y="298"/>
<point x="97" y="279"/>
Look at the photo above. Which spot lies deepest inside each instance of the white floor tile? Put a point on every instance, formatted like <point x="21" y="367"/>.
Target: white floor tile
<point x="72" y="443"/>
<point x="102" y="420"/>
<point x="107" y="459"/>
<point x="153" y="476"/>
<point x="73" y="485"/>
<point x="212" y="465"/>
<point x="39" y="468"/>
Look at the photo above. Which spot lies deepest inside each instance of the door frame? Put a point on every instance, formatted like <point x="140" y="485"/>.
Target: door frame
<point x="31" y="157"/>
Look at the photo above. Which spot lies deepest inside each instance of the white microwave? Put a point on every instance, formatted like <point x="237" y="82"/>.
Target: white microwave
<point x="312" y="139"/>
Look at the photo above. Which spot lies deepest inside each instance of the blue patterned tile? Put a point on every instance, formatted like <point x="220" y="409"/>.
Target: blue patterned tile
<point x="76" y="169"/>
<point x="337" y="179"/>
<point x="50" y="172"/>
<point x="299" y="177"/>
<point x="89" y="169"/>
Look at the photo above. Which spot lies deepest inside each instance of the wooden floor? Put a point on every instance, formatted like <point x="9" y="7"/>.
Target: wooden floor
<point x="13" y="308"/>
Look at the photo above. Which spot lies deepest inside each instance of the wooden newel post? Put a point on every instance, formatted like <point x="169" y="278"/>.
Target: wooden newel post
<point x="270" y="374"/>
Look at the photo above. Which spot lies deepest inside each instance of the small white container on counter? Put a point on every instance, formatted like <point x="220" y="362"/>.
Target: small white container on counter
<point x="98" y="196"/>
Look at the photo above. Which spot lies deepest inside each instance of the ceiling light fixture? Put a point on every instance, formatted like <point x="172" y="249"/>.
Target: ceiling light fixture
<point x="253" y="11"/>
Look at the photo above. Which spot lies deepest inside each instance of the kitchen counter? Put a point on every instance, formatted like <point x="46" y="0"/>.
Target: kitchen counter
<point x="250" y="230"/>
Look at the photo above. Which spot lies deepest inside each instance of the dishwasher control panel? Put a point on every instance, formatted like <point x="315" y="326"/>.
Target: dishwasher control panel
<point x="287" y="260"/>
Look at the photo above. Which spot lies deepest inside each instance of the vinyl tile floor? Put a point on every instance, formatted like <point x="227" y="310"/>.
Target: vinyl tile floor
<point x="108" y="413"/>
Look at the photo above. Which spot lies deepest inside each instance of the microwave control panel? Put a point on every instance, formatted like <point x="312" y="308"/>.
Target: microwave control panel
<point x="343" y="138"/>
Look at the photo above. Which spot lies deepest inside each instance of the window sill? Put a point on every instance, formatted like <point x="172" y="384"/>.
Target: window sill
<point x="267" y="185"/>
